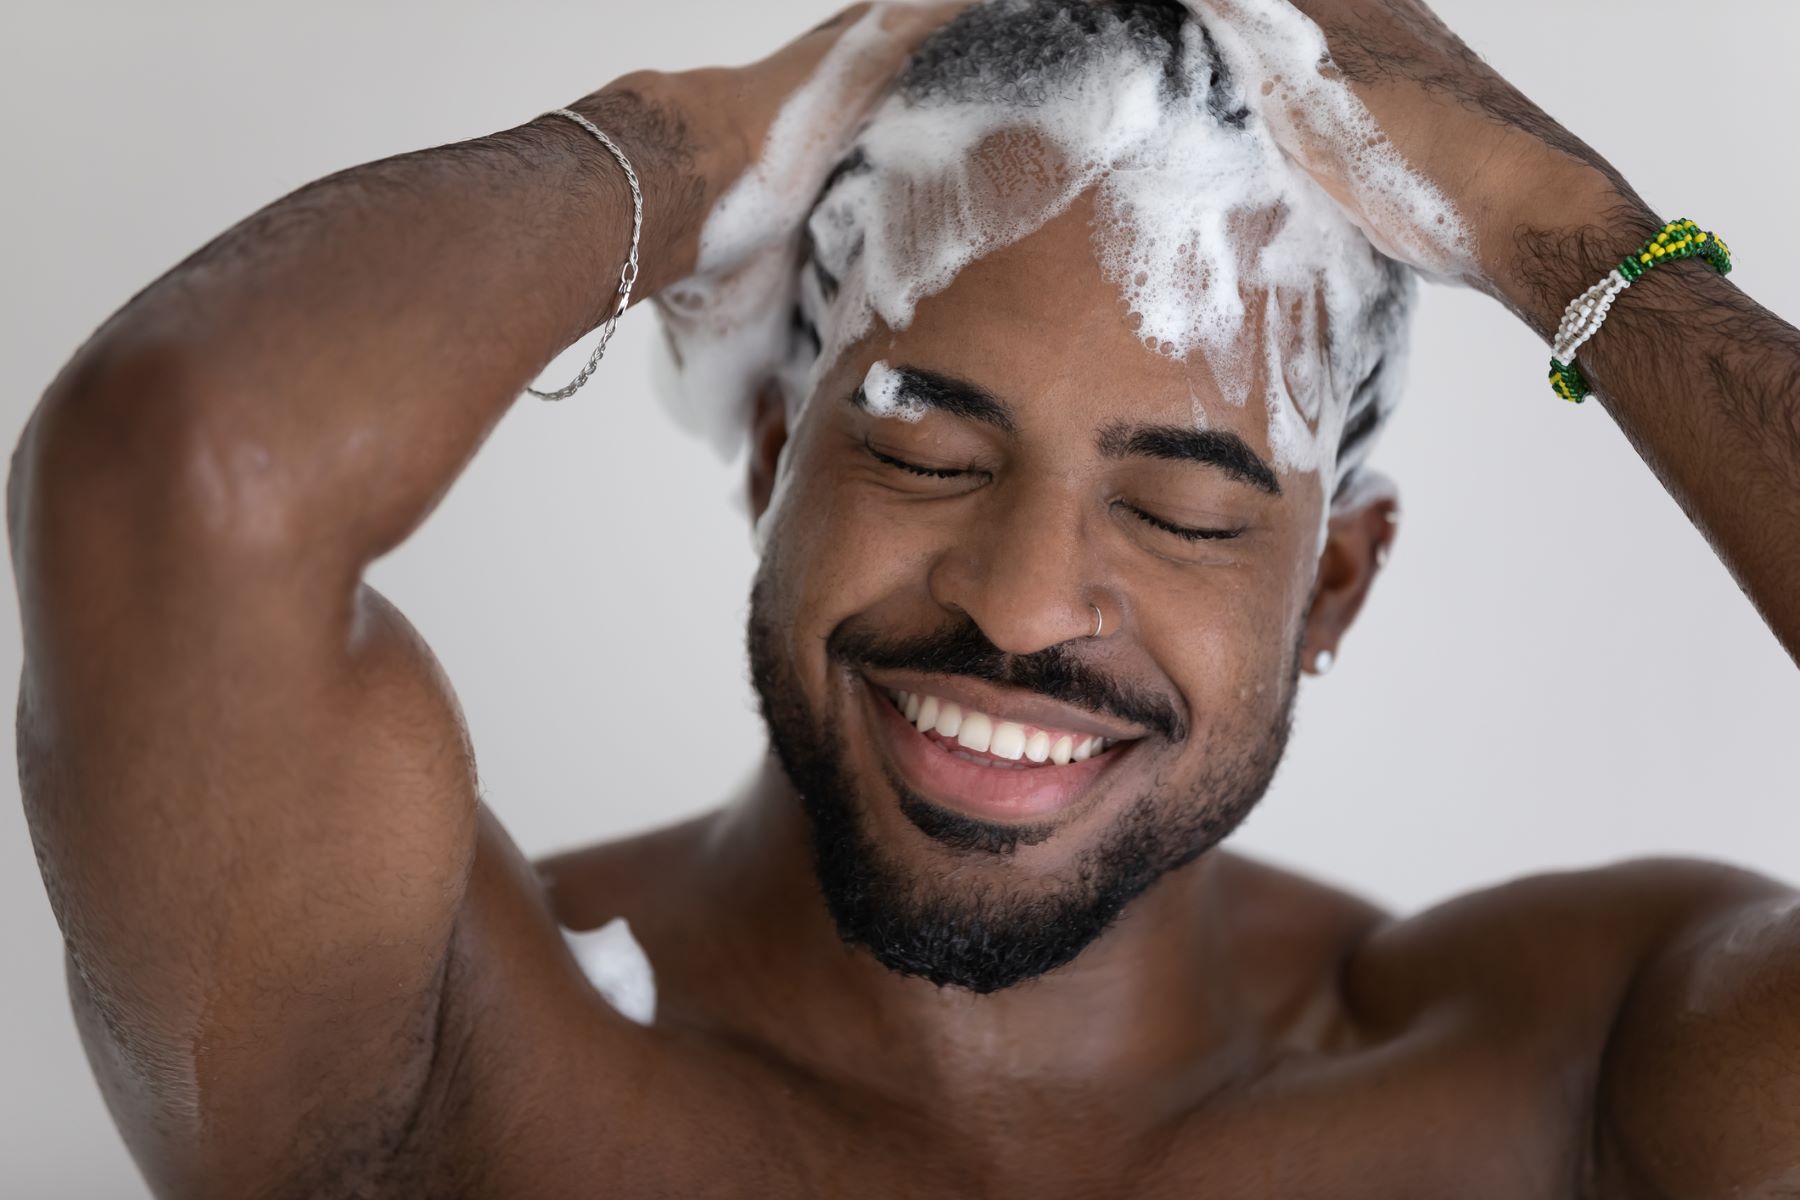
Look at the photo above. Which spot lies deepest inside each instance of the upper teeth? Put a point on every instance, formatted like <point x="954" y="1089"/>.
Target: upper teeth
<point x="1003" y="739"/>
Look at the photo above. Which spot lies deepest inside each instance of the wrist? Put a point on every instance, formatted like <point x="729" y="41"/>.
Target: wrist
<point x="1559" y="237"/>
<point x="683" y="156"/>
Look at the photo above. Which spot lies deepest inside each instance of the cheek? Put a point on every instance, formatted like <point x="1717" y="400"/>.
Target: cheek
<point x="1226" y="640"/>
<point x="833" y="551"/>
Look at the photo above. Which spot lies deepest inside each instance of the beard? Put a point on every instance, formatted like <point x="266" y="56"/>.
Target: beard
<point x="981" y="935"/>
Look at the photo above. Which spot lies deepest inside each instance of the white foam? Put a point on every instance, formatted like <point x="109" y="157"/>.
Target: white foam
<point x="726" y="326"/>
<point x="1219" y="244"/>
<point x="617" y="966"/>
<point x="881" y="390"/>
<point x="1319" y="119"/>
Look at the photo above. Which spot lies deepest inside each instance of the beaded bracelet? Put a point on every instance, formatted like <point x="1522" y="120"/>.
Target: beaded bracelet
<point x="1585" y="314"/>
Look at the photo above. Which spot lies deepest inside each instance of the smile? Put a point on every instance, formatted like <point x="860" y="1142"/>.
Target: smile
<point x="993" y="754"/>
<point x="993" y="741"/>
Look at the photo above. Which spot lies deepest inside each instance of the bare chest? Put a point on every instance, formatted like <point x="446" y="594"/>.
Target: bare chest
<point x="1420" y="1118"/>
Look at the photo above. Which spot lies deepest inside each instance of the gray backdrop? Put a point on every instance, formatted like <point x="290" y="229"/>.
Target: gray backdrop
<point x="1554" y="672"/>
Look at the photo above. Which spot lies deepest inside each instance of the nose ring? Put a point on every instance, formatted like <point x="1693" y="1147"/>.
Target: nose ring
<point x="1099" y="621"/>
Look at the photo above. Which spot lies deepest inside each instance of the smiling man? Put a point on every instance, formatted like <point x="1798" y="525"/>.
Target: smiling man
<point x="1058" y="373"/>
<point x="993" y="697"/>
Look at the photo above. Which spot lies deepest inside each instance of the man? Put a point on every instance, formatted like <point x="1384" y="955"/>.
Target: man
<point x="305" y="961"/>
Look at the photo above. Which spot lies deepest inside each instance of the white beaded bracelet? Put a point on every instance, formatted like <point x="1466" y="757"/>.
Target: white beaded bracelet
<point x="1585" y="314"/>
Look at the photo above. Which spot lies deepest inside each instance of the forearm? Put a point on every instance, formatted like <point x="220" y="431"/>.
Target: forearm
<point x="1704" y="381"/>
<point x="342" y="353"/>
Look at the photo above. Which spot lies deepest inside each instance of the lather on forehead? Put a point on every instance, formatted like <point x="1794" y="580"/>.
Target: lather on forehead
<point x="1017" y="108"/>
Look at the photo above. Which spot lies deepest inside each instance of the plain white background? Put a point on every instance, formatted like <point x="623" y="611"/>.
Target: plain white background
<point x="1554" y="672"/>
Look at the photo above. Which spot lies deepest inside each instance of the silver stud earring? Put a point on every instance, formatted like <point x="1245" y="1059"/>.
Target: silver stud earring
<point x="1322" y="662"/>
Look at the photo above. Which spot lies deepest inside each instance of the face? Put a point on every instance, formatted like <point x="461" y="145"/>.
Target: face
<point x="988" y="785"/>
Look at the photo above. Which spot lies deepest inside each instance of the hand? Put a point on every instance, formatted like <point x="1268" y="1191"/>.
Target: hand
<point x="712" y="133"/>
<point x="1403" y="102"/>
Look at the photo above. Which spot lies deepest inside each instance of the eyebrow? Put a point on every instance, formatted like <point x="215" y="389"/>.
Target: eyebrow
<point x="1209" y="447"/>
<point x="1217" y="448"/>
<point x="958" y="397"/>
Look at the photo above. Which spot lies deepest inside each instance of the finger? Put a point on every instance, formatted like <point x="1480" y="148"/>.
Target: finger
<point x="905" y="26"/>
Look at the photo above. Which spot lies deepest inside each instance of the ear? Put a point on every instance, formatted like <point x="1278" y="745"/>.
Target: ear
<point x="768" y="434"/>
<point x="1358" y="538"/>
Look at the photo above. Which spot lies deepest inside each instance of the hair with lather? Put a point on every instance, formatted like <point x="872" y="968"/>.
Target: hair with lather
<point x="1013" y="53"/>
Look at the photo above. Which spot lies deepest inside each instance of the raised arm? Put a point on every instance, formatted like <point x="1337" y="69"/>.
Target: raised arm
<point x="250" y="789"/>
<point x="249" y="785"/>
<point x="1703" y="380"/>
<point x="1698" y="1091"/>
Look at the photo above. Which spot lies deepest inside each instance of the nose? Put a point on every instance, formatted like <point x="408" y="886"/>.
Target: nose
<point x="1020" y="570"/>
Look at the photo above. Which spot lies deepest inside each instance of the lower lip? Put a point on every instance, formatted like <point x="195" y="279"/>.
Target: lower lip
<point x="986" y="793"/>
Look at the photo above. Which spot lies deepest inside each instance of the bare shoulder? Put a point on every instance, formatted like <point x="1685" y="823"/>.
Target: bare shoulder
<point x="1542" y="960"/>
<point x="1699" y="1092"/>
<point x="1665" y="990"/>
<point x="1539" y="925"/>
<point x="1558" y="946"/>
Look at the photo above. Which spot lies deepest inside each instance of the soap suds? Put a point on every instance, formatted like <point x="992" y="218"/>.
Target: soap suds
<point x="617" y="966"/>
<point x="1316" y="114"/>
<point x="881" y="393"/>
<point x="727" y="326"/>
<point x="1218" y="244"/>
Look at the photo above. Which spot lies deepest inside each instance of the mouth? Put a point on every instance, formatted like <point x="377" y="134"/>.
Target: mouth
<point x="990" y="765"/>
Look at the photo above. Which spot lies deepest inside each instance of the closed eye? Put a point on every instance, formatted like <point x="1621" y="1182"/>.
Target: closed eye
<point x="915" y="468"/>
<point x="1181" y="531"/>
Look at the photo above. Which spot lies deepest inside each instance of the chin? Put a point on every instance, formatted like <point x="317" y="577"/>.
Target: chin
<point x="980" y="858"/>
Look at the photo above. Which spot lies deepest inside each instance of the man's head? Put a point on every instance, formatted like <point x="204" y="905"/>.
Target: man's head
<point x="1058" y="374"/>
<point x="1214" y="245"/>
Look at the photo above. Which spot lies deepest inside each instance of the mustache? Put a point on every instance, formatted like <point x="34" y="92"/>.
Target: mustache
<point x="963" y="649"/>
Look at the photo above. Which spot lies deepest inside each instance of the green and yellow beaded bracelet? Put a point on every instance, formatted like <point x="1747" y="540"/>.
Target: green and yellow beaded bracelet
<point x="1582" y="319"/>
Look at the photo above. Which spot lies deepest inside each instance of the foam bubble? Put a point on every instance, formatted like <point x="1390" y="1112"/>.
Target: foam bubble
<point x="1219" y="245"/>
<point x="1321" y="121"/>
<point x="882" y="392"/>
<point x="726" y="327"/>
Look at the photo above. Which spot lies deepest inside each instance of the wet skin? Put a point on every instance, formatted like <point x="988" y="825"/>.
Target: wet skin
<point x="306" y="960"/>
<point x="1240" y="1029"/>
<point x="1042" y="524"/>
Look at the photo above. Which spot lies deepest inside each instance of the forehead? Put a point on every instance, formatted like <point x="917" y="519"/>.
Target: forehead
<point x="1038" y="324"/>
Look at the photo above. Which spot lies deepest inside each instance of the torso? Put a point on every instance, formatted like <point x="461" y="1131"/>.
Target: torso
<point x="1453" y="1053"/>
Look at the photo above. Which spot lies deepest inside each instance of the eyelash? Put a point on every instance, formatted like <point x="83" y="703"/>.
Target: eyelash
<point x="914" y="468"/>
<point x="1181" y="531"/>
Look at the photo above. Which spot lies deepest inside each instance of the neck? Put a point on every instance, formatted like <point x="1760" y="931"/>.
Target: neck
<point x="1153" y="1008"/>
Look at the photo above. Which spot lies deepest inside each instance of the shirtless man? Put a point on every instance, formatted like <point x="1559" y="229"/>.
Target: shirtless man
<point x="307" y="962"/>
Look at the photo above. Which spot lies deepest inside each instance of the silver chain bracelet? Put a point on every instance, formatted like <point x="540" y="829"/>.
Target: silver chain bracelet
<point x="627" y="274"/>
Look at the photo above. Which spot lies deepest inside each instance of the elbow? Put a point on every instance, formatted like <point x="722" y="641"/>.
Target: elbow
<point x="135" y="456"/>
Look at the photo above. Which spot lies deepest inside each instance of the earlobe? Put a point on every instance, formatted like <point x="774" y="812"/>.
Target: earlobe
<point x="768" y="434"/>
<point x="1357" y="541"/>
